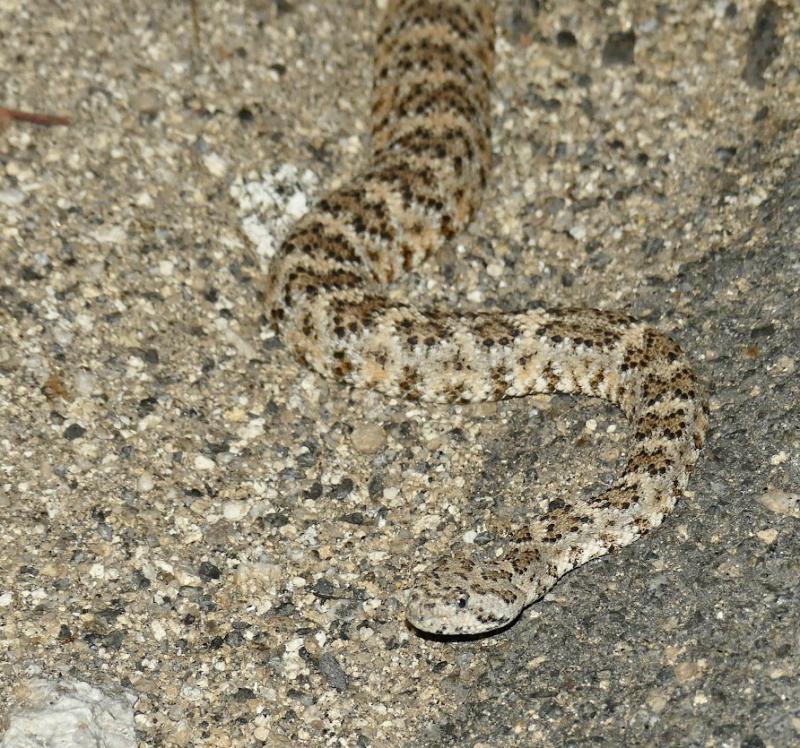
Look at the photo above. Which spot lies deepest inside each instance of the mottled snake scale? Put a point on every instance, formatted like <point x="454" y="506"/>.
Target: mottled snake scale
<point x="422" y="185"/>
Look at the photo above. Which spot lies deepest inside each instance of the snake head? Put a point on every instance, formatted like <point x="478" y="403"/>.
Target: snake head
<point x="457" y="597"/>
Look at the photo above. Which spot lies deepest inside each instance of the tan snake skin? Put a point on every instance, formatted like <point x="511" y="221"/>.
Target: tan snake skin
<point x="429" y="165"/>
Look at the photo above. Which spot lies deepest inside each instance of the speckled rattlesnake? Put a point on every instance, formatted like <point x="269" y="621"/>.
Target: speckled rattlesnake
<point x="429" y="164"/>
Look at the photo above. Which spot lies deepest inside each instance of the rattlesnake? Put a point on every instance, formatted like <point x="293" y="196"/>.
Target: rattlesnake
<point x="325" y="293"/>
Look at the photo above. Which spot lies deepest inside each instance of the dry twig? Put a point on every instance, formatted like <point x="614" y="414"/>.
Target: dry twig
<point x="7" y="116"/>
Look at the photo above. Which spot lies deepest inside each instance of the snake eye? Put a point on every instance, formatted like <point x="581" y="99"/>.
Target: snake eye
<point x="462" y="602"/>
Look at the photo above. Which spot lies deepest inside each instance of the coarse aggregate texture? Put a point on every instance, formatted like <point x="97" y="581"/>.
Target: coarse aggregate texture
<point x="190" y="515"/>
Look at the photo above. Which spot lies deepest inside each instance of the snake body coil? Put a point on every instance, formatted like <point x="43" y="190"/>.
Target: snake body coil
<point x="429" y="165"/>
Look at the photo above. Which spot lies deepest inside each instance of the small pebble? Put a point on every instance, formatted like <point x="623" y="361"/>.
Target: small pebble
<point x="201" y="462"/>
<point x="344" y="489"/>
<point x="686" y="671"/>
<point x="85" y="383"/>
<point x="332" y="671"/>
<point x="767" y="536"/>
<point x="11" y="198"/>
<point x="209" y="571"/>
<point x="74" y="431"/>
<point x="566" y="39"/>
<point x="215" y="164"/>
<point x="619" y="47"/>
<point x="233" y="511"/>
<point x="145" y="483"/>
<point x="368" y="438"/>
<point x="578" y="233"/>
<point x="781" y="502"/>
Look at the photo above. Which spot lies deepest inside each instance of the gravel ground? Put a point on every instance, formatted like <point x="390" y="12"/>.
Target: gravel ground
<point x="192" y="520"/>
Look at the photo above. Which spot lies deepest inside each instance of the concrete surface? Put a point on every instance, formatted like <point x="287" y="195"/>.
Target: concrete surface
<point x="190" y="518"/>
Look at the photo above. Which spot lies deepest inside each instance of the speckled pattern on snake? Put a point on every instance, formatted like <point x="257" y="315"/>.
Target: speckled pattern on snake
<point x="423" y="182"/>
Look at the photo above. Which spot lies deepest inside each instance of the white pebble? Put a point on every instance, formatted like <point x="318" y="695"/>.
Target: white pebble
<point x="297" y="205"/>
<point x="143" y="200"/>
<point x="159" y="632"/>
<point x="69" y="713"/>
<point x="145" y="483"/>
<point x="109" y="235"/>
<point x="11" y="197"/>
<point x="233" y="511"/>
<point x="201" y="462"/>
<point x="215" y="164"/>
<point x="84" y="383"/>
<point x="578" y="232"/>
<point x="494" y="269"/>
